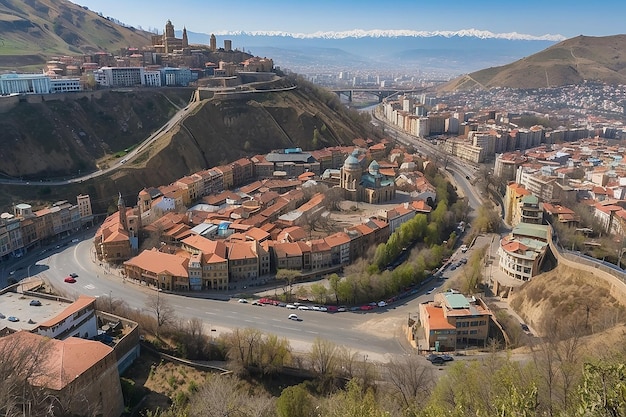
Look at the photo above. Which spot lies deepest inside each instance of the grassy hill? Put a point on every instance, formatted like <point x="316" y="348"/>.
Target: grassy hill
<point x="32" y="31"/>
<point x="569" y="62"/>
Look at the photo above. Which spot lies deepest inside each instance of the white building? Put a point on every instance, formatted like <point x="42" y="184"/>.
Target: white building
<point x="77" y="320"/>
<point x="24" y="84"/>
<point x="65" y="85"/>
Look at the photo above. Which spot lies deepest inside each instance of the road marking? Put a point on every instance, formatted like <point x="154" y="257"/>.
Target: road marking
<point x="312" y="332"/>
<point x="90" y="287"/>
<point x="211" y="313"/>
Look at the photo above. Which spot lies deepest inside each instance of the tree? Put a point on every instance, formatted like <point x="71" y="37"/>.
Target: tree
<point x="410" y="380"/>
<point x="602" y="392"/>
<point x="162" y="310"/>
<point x="333" y="281"/>
<point x="289" y="276"/>
<point x="222" y="395"/>
<point x="324" y="357"/>
<point x="294" y="402"/>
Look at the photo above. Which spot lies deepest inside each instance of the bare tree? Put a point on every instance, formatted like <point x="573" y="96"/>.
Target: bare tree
<point x="324" y="357"/>
<point x="162" y="310"/>
<point x="410" y="380"/>
<point x="222" y="395"/>
<point x="24" y="376"/>
<point x="289" y="276"/>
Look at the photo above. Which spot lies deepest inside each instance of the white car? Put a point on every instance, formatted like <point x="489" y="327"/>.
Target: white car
<point x="291" y="306"/>
<point x="294" y="317"/>
<point x="243" y="300"/>
<point x="303" y="307"/>
<point x="431" y="291"/>
<point x="382" y="304"/>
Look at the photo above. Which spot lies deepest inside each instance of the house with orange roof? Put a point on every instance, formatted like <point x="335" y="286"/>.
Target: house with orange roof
<point x="163" y="270"/>
<point x="208" y="264"/>
<point x="244" y="262"/>
<point x="287" y="255"/>
<point x="114" y="242"/>
<point x="292" y="234"/>
<point x="81" y="375"/>
<point x="398" y="215"/>
<point x="227" y="176"/>
<point x="339" y="244"/>
<point x="321" y="256"/>
<point x="243" y="171"/>
<point x="609" y="219"/>
<point x="561" y="214"/>
<point x="454" y="321"/>
<point x="420" y="206"/>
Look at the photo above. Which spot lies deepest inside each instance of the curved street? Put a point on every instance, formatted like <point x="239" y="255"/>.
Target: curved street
<point x="377" y="334"/>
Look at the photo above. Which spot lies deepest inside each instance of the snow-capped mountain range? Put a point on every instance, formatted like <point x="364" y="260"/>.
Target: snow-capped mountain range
<point x="449" y="53"/>
<point x="395" y="33"/>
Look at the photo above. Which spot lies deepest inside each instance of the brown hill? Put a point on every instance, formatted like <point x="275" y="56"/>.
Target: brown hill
<point x="572" y="296"/>
<point x="60" y="138"/>
<point x="34" y="30"/>
<point x="572" y="61"/>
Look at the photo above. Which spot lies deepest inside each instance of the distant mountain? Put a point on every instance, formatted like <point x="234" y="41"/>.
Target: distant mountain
<point x="569" y="62"/>
<point x="452" y="53"/>
<point x="31" y="31"/>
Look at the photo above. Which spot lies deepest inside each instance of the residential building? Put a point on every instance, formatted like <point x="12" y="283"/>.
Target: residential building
<point x="162" y="270"/>
<point x="454" y="321"/>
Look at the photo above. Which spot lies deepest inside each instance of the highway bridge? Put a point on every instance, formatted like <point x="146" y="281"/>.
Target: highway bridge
<point x="381" y="93"/>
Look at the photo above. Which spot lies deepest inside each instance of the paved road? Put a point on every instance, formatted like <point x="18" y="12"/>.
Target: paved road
<point x="376" y="334"/>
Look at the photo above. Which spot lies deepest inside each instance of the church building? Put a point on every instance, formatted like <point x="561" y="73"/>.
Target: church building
<point x="370" y="186"/>
<point x="168" y="42"/>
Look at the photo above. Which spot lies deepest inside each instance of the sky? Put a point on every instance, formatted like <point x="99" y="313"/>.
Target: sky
<point x="568" y="18"/>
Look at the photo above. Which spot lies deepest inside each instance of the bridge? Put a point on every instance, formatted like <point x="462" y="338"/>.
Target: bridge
<point x="381" y="93"/>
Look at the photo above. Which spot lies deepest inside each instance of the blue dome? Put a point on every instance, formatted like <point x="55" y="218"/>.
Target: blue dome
<point x="351" y="163"/>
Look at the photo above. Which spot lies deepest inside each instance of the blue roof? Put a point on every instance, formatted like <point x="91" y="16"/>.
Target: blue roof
<point x="223" y="225"/>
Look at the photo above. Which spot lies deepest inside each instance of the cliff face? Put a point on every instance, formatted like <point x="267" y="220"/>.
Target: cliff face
<point x="60" y="138"/>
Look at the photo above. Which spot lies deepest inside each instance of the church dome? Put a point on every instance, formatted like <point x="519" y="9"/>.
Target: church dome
<point x="373" y="168"/>
<point x="352" y="163"/>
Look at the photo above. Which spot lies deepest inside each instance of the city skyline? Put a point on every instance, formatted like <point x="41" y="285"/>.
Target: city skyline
<point x="532" y="17"/>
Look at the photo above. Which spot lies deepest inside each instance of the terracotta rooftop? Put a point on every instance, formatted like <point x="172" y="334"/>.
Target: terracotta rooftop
<point x="82" y="302"/>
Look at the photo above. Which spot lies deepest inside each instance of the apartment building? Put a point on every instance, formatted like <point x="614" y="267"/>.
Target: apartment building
<point x="454" y="321"/>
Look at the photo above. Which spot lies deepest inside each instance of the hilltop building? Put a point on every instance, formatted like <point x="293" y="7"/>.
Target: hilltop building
<point x="168" y="43"/>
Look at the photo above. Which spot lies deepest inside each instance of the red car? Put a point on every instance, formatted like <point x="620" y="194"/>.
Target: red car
<point x="70" y="280"/>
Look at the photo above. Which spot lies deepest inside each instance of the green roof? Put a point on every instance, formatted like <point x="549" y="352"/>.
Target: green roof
<point x="538" y="231"/>
<point x="530" y="199"/>
<point x="457" y="300"/>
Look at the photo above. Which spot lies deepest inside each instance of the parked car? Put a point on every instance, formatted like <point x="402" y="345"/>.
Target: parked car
<point x="342" y="309"/>
<point x="242" y="301"/>
<point x="291" y="306"/>
<point x="69" y="280"/>
<point x="382" y="304"/>
<point x="525" y="327"/>
<point x="2" y="316"/>
<point x="74" y="275"/>
<point x="13" y="319"/>
<point x="35" y="303"/>
<point x="294" y="317"/>
<point x="257" y="303"/>
<point x="435" y="359"/>
<point x="303" y="307"/>
<point x="431" y="291"/>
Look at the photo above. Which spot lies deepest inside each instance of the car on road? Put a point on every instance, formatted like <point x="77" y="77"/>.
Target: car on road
<point x="431" y="291"/>
<point x="382" y="304"/>
<point x="294" y="317"/>
<point x="439" y="359"/>
<point x="257" y="303"/>
<point x="341" y="309"/>
<point x="525" y="327"/>
<point x="291" y="306"/>
<point x="35" y="303"/>
<point x="242" y="301"/>
<point x="74" y="275"/>
<point x="303" y="307"/>
<point x="70" y="280"/>
<point x="463" y="260"/>
<point x="75" y="240"/>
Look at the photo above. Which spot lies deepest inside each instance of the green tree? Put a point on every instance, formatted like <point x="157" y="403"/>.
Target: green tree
<point x="333" y="281"/>
<point x="294" y="401"/>
<point x="602" y="392"/>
